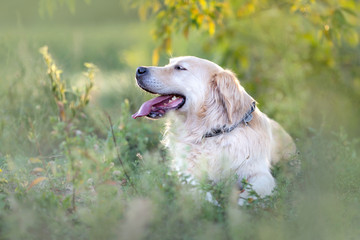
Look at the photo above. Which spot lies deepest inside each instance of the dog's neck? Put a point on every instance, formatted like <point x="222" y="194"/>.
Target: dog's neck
<point x="226" y="129"/>
<point x="194" y="130"/>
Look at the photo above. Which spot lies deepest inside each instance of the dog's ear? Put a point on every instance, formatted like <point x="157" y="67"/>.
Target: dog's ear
<point x="228" y="92"/>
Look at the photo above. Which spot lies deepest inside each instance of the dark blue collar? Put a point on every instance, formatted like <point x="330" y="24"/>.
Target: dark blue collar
<point x="224" y="129"/>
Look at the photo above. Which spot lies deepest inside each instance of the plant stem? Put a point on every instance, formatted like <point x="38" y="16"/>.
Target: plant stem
<point x="118" y="153"/>
<point x="73" y="202"/>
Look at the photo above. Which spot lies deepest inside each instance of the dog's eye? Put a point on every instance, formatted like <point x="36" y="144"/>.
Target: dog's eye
<point x="178" y="67"/>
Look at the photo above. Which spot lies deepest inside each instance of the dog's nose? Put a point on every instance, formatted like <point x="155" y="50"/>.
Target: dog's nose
<point x="141" y="71"/>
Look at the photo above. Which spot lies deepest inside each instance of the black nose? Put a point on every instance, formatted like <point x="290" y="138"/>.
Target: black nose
<point x="141" y="71"/>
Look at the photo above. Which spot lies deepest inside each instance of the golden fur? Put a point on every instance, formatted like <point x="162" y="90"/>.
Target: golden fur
<point x="214" y="97"/>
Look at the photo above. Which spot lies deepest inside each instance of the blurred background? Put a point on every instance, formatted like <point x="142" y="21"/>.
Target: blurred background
<point x="299" y="59"/>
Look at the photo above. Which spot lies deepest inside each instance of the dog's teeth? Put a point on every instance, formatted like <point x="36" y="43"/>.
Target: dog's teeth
<point x="173" y="98"/>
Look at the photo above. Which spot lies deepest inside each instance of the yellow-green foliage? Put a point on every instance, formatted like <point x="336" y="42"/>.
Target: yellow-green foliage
<point x="78" y="98"/>
<point x="329" y="20"/>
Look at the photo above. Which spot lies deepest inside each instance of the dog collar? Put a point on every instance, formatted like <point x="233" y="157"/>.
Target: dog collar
<point x="224" y="129"/>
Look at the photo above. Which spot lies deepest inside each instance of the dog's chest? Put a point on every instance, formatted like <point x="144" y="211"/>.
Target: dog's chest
<point x="214" y="159"/>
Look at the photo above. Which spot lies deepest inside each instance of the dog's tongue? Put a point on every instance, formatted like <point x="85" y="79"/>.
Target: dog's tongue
<point x="145" y="108"/>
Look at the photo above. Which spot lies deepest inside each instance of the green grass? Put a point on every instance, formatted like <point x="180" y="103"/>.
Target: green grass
<point x="321" y="202"/>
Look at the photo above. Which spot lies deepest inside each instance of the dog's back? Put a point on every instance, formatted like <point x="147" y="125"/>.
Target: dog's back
<point x="282" y="145"/>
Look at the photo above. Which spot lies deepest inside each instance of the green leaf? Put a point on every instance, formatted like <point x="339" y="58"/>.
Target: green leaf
<point x="351" y="37"/>
<point x="338" y="18"/>
<point x="350" y="11"/>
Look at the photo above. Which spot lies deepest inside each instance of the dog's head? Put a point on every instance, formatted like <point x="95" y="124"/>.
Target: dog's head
<point x="195" y="86"/>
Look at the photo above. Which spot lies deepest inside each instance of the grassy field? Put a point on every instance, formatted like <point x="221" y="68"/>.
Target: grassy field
<point x="71" y="179"/>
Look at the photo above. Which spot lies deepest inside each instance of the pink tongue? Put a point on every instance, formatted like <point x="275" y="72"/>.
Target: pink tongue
<point x="145" y="108"/>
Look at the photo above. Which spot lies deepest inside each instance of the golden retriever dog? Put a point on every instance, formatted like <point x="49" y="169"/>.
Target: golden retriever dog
<point x="215" y="128"/>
